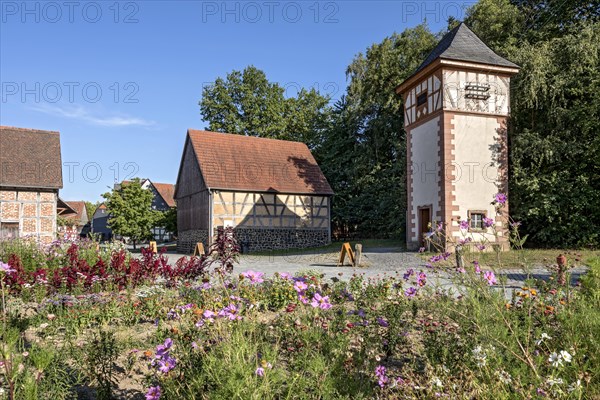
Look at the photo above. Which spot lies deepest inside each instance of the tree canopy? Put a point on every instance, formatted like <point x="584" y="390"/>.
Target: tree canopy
<point x="130" y="211"/>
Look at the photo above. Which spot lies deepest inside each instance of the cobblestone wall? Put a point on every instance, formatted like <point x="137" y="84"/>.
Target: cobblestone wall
<point x="186" y="240"/>
<point x="259" y="239"/>
<point x="271" y="239"/>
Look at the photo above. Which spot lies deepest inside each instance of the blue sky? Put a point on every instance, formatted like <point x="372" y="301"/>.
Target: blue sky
<point x="121" y="80"/>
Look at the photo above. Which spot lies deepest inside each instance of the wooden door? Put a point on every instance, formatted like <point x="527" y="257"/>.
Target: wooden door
<point x="424" y="221"/>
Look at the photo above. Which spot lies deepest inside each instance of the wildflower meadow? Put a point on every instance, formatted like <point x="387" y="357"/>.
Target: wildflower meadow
<point x="84" y="321"/>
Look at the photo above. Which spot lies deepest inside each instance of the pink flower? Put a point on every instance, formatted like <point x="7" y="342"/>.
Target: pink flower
<point x="464" y="225"/>
<point x="490" y="277"/>
<point x="260" y="371"/>
<point x="410" y="292"/>
<point x="300" y="286"/>
<point x="421" y="279"/>
<point x="5" y="268"/>
<point x="477" y="267"/>
<point x="320" y="302"/>
<point x="487" y="222"/>
<point x="254" y="276"/>
<point x="285" y="275"/>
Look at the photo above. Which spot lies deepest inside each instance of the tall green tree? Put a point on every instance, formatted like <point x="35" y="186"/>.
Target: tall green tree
<point x="130" y="211"/>
<point x="90" y="208"/>
<point x="554" y="143"/>
<point x="247" y="103"/>
<point x="364" y="155"/>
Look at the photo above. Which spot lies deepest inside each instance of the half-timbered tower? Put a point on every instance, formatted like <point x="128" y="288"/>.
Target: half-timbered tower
<point x="456" y="106"/>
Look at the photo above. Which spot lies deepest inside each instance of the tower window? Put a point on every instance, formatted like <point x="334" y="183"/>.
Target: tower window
<point x="422" y="98"/>
<point x="476" y="220"/>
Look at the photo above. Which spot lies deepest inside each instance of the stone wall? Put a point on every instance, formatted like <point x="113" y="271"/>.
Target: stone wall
<point x="259" y="239"/>
<point x="33" y="211"/>
<point x="186" y="240"/>
<point x="274" y="239"/>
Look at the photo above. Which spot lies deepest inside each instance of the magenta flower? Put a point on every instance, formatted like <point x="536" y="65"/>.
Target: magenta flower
<point x="321" y="302"/>
<point x="464" y="225"/>
<point x="254" y="276"/>
<point x="285" y="275"/>
<point x="490" y="277"/>
<point x="380" y="374"/>
<point x="153" y="393"/>
<point x="421" y="249"/>
<point x="209" y="315"/>
<point x="477" y="267"/>
<point x="260" y="371"/>
<point x="408" y="274"/>
<point x="487" y="222"/>
<point x="500" y="198"/>
<point x="410" y="292"/>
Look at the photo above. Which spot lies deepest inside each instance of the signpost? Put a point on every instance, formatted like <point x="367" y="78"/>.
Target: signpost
<point x="199" y="250"/>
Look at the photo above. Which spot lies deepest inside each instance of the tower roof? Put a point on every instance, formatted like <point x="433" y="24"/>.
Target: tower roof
<point x="461" y="44"/>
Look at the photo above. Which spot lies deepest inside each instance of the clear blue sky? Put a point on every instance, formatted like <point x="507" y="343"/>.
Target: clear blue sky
<point x="121" y="81"/>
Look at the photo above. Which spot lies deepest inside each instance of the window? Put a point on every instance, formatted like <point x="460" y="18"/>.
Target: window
<point x="476" y="220"/>
<point x="422" y="98"/>
<point x="9" y="230"/>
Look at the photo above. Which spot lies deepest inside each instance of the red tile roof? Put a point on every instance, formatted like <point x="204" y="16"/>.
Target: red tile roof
<point x="79" y="207"/>
<point x="30" y="158"/>
<point x="167" y="191"/>
<point x="247" y="163"/>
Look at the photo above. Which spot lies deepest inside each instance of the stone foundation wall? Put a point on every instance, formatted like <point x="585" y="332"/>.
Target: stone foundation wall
<point x="259" y="239"/>
<point x="275" y="239"/>
<point x="186" y="240"/>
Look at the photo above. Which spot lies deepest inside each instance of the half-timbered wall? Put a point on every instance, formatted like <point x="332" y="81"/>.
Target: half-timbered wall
<point x="431" y="88"/>
<point x="33" y="211"/>
<point x="476" y="91"/>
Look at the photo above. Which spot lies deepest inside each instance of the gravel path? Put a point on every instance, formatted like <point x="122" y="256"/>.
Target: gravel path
<point x="378" y="262"/>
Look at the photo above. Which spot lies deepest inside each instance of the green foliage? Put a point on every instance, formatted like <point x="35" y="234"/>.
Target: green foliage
<point x="130" y="210"/>
<point x="364" y="156"/>
<point x="553" y="135"/>
<point x="168" y="220"/>
<point x="90" y="208"/>
<point x="100" y="355"/>
<point x="247" y="103"/>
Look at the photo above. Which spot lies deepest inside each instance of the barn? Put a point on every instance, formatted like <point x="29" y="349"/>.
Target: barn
<point x="272" y="192"/>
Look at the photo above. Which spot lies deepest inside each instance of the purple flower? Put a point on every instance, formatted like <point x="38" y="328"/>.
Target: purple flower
<point x="209" y="315"/>
<point x="500" y="198"/>
<point x="490" y="277"/>
<point x="410" y="292"/>
<point x="421" y="279"/>
<point x="166" y="364"/>
<point x="320" y="302"/>
<point x="408" y="274"/>
<point x="464" y="224"/>
<point x="254" y="276"/>
<point x="421" y="249"/>
<point x="487" y="222"/>
<point x="382" y="322"/>
<point x="153" y="393"/>
<point x="481" y="247"/>
<point x="477" y="267"/>
<point x="380" y="373"/>
<point x="163" y="349"/>
<point x="260" y="371"/>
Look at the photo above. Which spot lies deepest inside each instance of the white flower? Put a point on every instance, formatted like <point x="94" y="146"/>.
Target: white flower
<point x="437" y="382"/>
<point x="551" y="381"/>
<point x="504" y="377"/>
<point x="555" y="359"/>
<point x="542" y="338"/>
<point x="565" y="356"/>
<point x="479" y="356"/>
<point x="574" y="386"/>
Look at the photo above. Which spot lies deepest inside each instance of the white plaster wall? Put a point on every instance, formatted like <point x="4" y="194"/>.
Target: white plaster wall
<point x="474" y="137"/>
<point x="425" y="179"/>
<point x="454" y="92"/>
